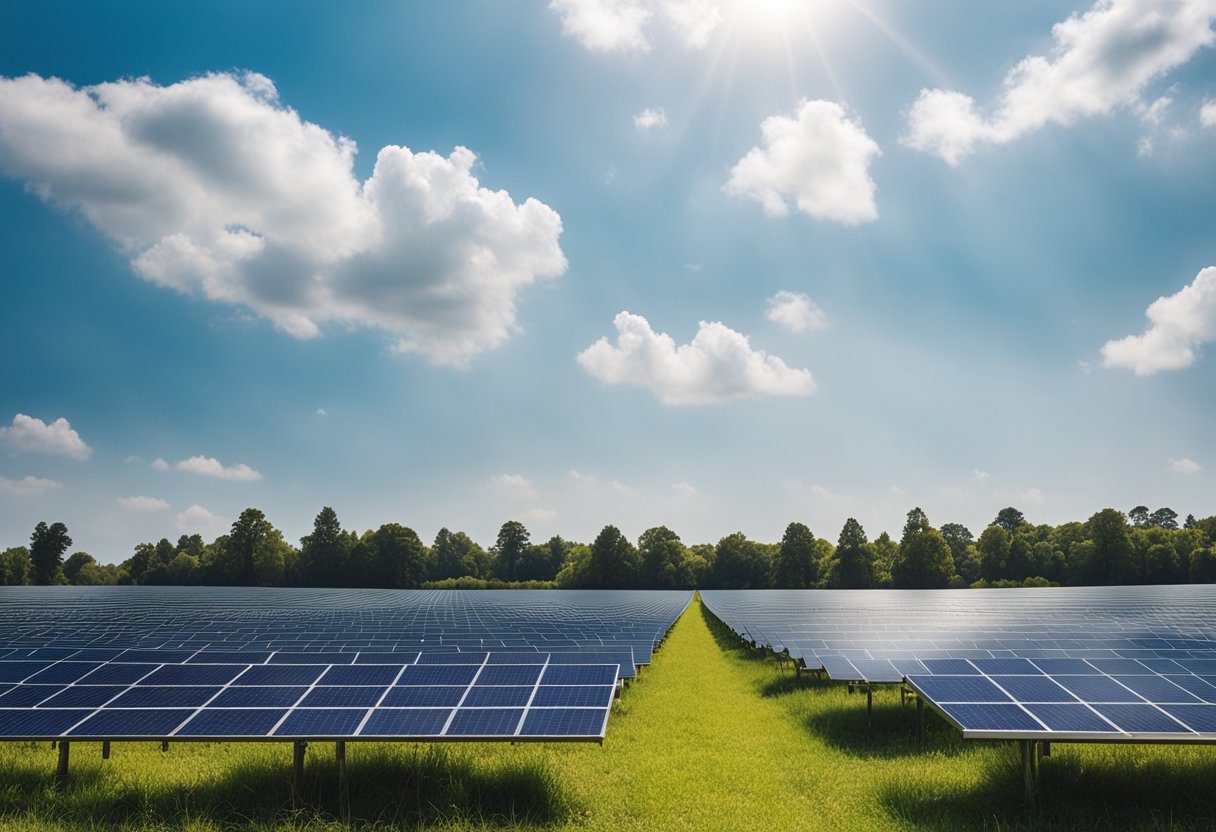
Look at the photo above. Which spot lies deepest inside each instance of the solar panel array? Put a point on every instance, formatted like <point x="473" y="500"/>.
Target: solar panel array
<point x="1121" y="664"/>
<point x="249" y="663"/>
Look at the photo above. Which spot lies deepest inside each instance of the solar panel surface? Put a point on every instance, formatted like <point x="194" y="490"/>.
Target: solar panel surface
<point x="1122" y="664"/>
<point x="226" y="664"/>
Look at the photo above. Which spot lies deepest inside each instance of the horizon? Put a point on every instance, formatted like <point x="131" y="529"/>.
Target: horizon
<point x="713" y="265"/>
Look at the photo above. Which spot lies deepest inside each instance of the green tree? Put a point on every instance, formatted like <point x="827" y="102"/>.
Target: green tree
<point x="740" y="563"/>
<point x="614" y="561"/>
<point x="958" y="537"/>
<point x="73" y="565"/>
<point x="1164" y="518"/>
<point x="993" y="546"/>
<point x="853" y="561"/>
<point x="456" y="555"/>
<point x="1203" y="566"/>
<point x="1009" y="519"/>
<point x="398" y="558"/>
<point x="513" y="538"/>
<point x="324" y="553"/>
<point x="47" y="545"/>
<point x="15" y="566"/>
<point x="183" y="569"/>
<point x="1109" y="559"/>
<point x="886" y="553"/>
<point x="665" y="560"/>
<point x="1139" y="517"/>
<point x="797" y="559"/>
<point x="924" y="556"/>
<point x="248" y="532"/>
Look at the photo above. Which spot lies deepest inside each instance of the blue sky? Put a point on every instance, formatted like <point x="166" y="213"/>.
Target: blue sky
<point x="924" y="242"/>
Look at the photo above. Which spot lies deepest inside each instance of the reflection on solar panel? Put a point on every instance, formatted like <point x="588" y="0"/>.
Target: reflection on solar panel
<point x="238" y="664"/>
<point x="1113" y="664"/>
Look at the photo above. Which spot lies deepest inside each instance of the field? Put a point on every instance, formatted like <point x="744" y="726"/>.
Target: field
<point x="712" y="736"/>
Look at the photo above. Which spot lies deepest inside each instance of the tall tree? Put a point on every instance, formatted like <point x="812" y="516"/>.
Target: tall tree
<point x="455" y="555"/>
<point x="513" y="538"/>
<point x="924" y="556"/>
<point x="324" y="553"/>
<point x="797" y="559"/>
<point x="1110" y="560"/>
<point x="740" y="563"/>
<point x="959" y="537"/>
<point x="993" y="546"/>
<point x="664" y="560"/>
<point x="15" y="566"/>
<point x="1164" y="518"/>
<point x="399" y="558"/>
<point x="47" y="545"/>
<point x="1138" y="517"/>
<point x="852" y="565"/>
<point x="614" y="561"/>
<point x="1009" y="519"/>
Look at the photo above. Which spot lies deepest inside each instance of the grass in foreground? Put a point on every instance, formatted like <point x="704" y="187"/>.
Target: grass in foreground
<point x="712" y="737"/>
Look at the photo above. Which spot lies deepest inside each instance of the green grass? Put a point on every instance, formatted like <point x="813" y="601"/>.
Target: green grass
<point x="713" y="736"/>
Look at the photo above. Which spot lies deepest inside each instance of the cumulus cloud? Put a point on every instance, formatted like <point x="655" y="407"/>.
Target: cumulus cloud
<point x="796" y="312"/>
<point x="1185" y="466"/>
<point x="322" y="411"/>
<point x="649" y="119"/>
<point x="719" y="365"/>
<point x="1207" y="114"/>
<point x="624" y="25"/>
<point x="35" y="436"/>
<point x="516" y="486"/>
<point x="27" y="486"/>
<point x="212" y="186"/>
<point x="143" y="503"/>
<point x="198" y="520"/>
<point x="206" y="466"/>
<point x="159" y="464"/>
<point x="1179" y="325"/>
<point x="1102" y="59"/>
<point x="819" y="160"/>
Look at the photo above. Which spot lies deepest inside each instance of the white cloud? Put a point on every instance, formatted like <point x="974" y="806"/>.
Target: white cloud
<point x="1152" y="114"/>
<point x="1207" y="114"/>
<point x="516" y="486"/>
<point x="143" y="503"/>
<point x="980" y="476"/>
<point x="198" y="520"/>
<point x="717" y="367"/>
<point x="1180" y="323"/>
<point x="796" y="312"/>
<point x="1185" y="466"/>
<point x="36" y="436"/>
<point x="1102" y="59"/>
<point x="212" y="186"/>
<point x="822" y="494"/>
<point x="1144" y="147"/>
<point x="536" y="515"/>
<point x="206" y="466"/>
<point x="583" y="481"/>
<point x="648" y="119"/>
<point x="819" y="160"/>
<point x="130" y="460"/>
<point x="684" y="489"/>
<point x="159" y="464"/>
<point x="1032" y="497"/>
<point x="27" y="486"/>
<point x="622" y="25"/>
<point x="322" y="411"/>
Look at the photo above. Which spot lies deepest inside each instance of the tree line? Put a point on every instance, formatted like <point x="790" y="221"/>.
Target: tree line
<point x="1111" y="547"/>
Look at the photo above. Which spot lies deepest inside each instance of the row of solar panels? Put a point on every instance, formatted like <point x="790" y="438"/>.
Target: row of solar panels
<point x="1020" y="663"/>
<point x="141" y="663"/>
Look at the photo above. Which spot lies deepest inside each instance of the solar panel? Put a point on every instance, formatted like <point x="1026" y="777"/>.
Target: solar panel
<point x="1122" y="664"/>
<point x="155" y="663"/>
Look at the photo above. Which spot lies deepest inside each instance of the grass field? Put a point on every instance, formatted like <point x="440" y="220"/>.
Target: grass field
<point x="713" y="736"/>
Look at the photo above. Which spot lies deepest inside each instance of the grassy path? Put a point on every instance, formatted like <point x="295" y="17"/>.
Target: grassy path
<point x="711" y="737"/>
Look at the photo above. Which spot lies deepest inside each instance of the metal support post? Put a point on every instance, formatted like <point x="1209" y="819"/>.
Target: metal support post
<point x="920" y="720"/>
<point x="1029" y="776"/>
<point x="164" y="745"/>
<point x="1046" y="749"/>
<point x="869" y="703"/>
<point x="61" y="772"/>
<point x="297" y="766"/>
<point x="105" y="749"/>
<point x="343" y="791"/>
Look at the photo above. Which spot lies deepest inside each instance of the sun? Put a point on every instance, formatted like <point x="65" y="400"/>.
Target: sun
<point x="768" y="19"/>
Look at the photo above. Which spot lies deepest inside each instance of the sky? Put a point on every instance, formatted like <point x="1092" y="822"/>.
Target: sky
<point x="714" y="264"/>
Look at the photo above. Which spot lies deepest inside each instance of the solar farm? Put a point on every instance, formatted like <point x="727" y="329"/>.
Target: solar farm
<point x="175" y="664"/>
<point x="1088" y="664"/>
<point x="710" y="732"/>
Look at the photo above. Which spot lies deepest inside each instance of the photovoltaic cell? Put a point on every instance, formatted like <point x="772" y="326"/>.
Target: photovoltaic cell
<point x="245" y="722"/>
<point x="320" y="723"/>
<point x="484" y="722"/>
<point x="401" y="722"/>
<point x="115" y="724"/>
<point x="564" y="722"/>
